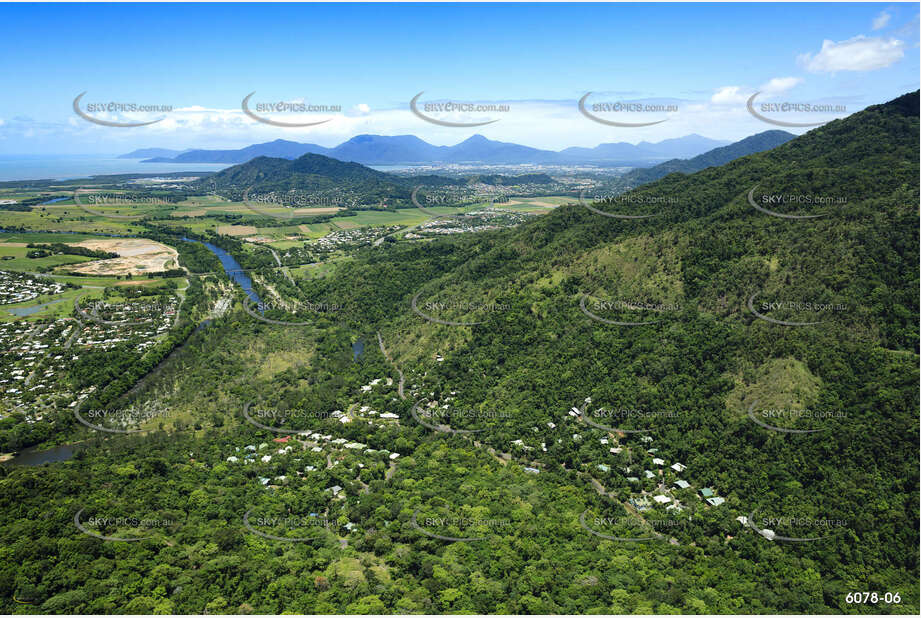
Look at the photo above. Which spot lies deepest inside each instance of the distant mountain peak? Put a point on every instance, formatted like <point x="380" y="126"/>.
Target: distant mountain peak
<point x="370" y="149"/>
<point x="476" y="139"/>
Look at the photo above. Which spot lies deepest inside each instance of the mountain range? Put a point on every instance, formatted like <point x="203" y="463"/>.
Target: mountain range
<point x="321" y="173"/>
<point x="718" y="156"/>
<point x="704" y="360"/>
<point x="409" y="149"/>
<point x="146" y="153"/>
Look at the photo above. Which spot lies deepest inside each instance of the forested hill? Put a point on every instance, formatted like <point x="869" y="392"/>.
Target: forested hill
<point x="308" y="172"/>
<point x="718" y="156"/>
<point x="684" y="328"/>
<point x="317" y="174"/>
<point x="842" y="289"/>
<point x="704" y="240"/>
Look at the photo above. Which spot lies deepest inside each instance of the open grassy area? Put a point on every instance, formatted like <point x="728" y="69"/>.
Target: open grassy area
<point x="13" y="257"/>
<point x="56" y="305"/>
<point x="61" y="305"/>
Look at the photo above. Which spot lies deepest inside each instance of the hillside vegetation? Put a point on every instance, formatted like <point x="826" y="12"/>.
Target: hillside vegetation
<point x="691" y="364"/>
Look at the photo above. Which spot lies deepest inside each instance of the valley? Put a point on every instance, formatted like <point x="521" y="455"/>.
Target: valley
<point x="306" y="385"/>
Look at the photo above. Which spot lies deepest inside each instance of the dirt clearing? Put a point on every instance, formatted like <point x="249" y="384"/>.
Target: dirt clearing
<point x="236" y="230"/>
<point x="136" y="256"/>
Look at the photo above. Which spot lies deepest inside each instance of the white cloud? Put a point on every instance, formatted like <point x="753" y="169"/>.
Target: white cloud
<point x="881" y="20"/>
<point x="857" y="54"/>
<point x="728" y="95"/>
<point x="738" y="95"/>
<point x="721" y="114"/>
<point x="780" y="85"/>
<point x="363" y="108"/>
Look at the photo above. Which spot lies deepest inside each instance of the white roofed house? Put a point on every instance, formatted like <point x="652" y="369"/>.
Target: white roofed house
<point x="678" y="467"/>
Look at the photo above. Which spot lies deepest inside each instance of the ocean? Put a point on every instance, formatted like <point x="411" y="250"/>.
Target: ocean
<point x="64" y="167"/>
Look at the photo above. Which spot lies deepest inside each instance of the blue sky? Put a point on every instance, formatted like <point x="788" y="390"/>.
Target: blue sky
<point x="371" y="59"/>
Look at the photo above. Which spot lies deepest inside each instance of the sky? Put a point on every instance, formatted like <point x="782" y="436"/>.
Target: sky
<point x="701" y="61"/>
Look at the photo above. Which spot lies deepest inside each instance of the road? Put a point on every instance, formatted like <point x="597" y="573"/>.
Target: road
<point x="380" y="340"/>
<point x="283" y="269"/>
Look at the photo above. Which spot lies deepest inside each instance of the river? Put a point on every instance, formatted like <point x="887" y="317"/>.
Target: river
<point x="32" y="457"/>
<point x="232" y="268"/>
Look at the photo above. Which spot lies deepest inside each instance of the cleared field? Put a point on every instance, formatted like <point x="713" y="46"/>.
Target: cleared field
<point x="237" y="230"/>
<point x="286" y="244"/>
<point x="189" y="213"/>
<point x="13" y="257"/>
<point x="67" y="218"/>
<point x="46" y="237"/>
<point x="315" y="211"/>
<point x="136" y="256"/>
<point x="315" y="230"/>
